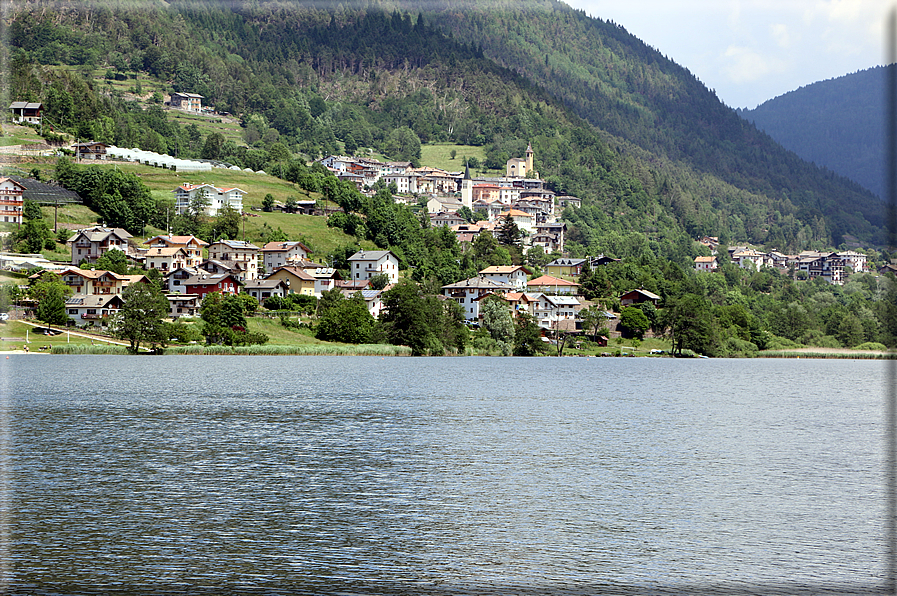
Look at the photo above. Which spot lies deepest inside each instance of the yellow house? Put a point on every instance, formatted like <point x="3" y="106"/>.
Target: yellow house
<point x="298" y="280"/>
<point x="568" y="267"/>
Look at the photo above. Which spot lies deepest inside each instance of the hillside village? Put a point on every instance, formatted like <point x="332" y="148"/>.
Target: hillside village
<point x="190" y="268"/>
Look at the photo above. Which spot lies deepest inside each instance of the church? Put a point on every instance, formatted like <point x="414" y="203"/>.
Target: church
<point x="517" y="167"/>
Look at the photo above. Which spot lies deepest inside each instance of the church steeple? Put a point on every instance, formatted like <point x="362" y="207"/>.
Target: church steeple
<point x="529" y="158"/>
<point x="467" y="188"/>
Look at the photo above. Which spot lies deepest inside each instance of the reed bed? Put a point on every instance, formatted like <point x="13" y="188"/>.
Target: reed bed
<point x="827" y="355"/>
<point x="296" y="350"/>
<point x="80" y="349"/>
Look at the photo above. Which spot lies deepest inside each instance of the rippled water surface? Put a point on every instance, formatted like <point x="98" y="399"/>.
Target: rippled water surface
<point x="359" y="475"/>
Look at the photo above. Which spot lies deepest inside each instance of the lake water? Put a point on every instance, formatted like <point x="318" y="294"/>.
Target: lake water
<point x="281" y="475"/>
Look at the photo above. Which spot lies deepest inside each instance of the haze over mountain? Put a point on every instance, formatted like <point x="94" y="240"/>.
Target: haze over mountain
<point x="650" y="149"/>
<point x="837" y="124"/>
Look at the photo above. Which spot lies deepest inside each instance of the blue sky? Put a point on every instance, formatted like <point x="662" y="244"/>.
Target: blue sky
<point x="750" y="51"/>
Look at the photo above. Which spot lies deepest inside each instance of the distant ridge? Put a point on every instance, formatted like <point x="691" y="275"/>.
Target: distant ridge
<point x="837" y="124"/>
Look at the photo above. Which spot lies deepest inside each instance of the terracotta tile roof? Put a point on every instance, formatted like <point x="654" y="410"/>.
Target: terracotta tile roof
<point x="547" y="280"/>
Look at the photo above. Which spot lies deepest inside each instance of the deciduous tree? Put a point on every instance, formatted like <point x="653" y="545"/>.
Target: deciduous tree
<point x="140" y="320"/>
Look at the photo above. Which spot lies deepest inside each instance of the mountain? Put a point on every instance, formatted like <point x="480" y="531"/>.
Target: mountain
<point x="837" y="124"/>
<point x="656" y="157"/>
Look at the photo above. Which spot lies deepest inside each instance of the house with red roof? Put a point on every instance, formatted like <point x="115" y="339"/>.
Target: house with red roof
<point x="513" y="275"/>
<point x="191" y="244"/>
<point x="552" y="285"/>
<point x="280" y="254"/>
<point x="206" y="283"/>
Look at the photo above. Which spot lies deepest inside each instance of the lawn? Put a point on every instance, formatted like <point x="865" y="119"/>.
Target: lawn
<point x="311" y="230"/>
<point x="13" y="134"/>
<point x="230" y="129"/>
<point x="278" y="334"/>
<point x="13" y="335"/>
<point x="440" y="156"/>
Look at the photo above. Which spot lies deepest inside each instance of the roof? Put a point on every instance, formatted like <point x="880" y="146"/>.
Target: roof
<point x="514" y="213"/>
<point x="503" y="269"/>
<point x="264" y="283"/>
<point x="93" y="300"/>
<point x="704" y="259"/>
<point x="18" y="105"/>
<point x="547" y="280"/>
<point x="370" y="255"/>
<point x="40" y="192"/>
<point x="284" y="246"/>
<point x="477" y="283"/>
<point x="366" y="294"/>
<point x="16" y="182"/>
<point x="563" y="300"/>
<point x="644" y="293"/>
<point x="295" y="271"/>
<point x="98" y="234"/>
<point x="207" y="279"/>
<point x="90" y="273"/>
<point x="168" y="251"/>
<point x="178" y="240"/>
<point x="566" y="262"/>
<point x="237" y="244"/>
<point x="324" y="273"/>
<point x="130" y="279"/>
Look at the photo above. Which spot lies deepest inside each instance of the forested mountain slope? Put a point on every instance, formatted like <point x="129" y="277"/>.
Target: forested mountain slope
<point x="662" y="160"/>
<point x="838" y="124"/>
<point x="622" y="85"/>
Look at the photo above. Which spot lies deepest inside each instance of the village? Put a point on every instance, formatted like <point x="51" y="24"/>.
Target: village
<point x="191" y="268"/>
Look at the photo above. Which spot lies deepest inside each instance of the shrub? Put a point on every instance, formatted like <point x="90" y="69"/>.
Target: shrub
<point x="873" y="346"/>
<point x="736" y="345"/>
<point x="781" y="343"/>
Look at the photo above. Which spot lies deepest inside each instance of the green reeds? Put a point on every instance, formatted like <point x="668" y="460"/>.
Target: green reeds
<point x="79" y="349"/>
<point x="827" y="355"/>
<point x="296" y="350"/>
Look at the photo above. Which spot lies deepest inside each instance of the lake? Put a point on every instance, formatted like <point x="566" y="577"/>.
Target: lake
<point x="282" y="475"/>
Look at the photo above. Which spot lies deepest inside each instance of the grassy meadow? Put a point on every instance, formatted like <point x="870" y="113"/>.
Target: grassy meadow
<point x="439" y="155"/>
<point x="14" y="134"/>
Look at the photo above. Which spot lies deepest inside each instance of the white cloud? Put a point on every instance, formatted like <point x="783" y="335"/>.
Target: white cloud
<point x="781" y="34"/>
<point x="752" y="50"/>
<point x="744" y="65"/>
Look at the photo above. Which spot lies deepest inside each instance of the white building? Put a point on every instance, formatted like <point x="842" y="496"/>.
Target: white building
<point x="217" y="198"/>
<point x="238" y="253"/>
<point x="515" y="276"/>
<point x="365" y="264"/>
<point x="551" y="312"/>
<point x="12" y="202"/>
<point x="855" y="260"/>
<point x="189" y="102"/>
<point x="279" y="254"/>
<point x="469" y="292"/>
<point x="92" y="243"/>
<point x="706" y="264"/>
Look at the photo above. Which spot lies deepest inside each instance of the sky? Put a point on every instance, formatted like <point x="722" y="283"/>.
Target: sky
<point x="750" y="51"/>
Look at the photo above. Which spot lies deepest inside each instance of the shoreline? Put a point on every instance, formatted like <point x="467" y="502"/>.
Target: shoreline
<point x="398" y="351"/>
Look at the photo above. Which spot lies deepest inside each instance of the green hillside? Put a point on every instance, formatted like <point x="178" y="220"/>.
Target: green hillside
<point x="836" y="124"/>
<point x="649" y="149"/>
